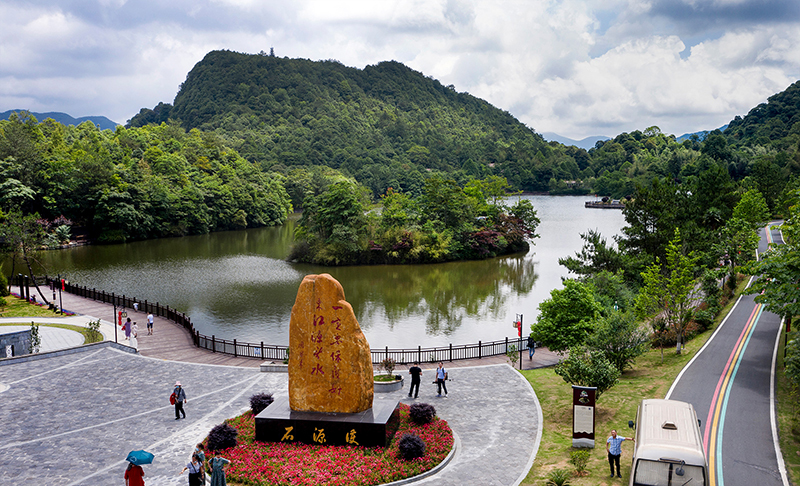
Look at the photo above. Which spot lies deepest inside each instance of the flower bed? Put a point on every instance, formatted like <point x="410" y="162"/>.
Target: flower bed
<point x="278" y="464"/>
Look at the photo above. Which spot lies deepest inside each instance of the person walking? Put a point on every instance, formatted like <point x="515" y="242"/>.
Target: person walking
<point x="150" y="323"/>
<point x="195" y="469"/>
<point x="217" y="464"/>
<point x="134" y="475"/>
<point x="441" y="377"/>
<point x="531" y="346"/>
<point x="415" y="372"/>
<point x="180" y="399"/>
<point x="128" y="327"/>
<point x="135" y="336"/>
<point x="200" y="450"/>
<point x="614" y="449"/>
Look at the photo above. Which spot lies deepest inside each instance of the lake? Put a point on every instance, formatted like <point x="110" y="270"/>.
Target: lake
<point x="237" y="284"/>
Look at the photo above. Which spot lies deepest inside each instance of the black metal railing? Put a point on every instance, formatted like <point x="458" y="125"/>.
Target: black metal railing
<point x="274" y="352"/>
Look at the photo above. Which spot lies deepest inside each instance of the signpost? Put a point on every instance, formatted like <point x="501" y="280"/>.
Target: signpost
<point x="583" y="416"/>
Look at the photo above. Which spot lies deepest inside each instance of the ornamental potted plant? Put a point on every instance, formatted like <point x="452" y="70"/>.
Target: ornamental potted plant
<point x="387" y="381"/>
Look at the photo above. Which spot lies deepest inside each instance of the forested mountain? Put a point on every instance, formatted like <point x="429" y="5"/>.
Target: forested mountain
<point x="251" y="135"/>
<point x="102" y="122"/>
<point x="391" y="127"/>
<point x="385" y="125"/>
<point x="774" y="124"/>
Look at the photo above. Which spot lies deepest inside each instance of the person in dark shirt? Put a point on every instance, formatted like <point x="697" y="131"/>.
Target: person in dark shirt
<point x="180" y="399"/>
<point x="415" y="372"/>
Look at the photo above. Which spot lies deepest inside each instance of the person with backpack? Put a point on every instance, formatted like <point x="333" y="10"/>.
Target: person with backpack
<point x="531" y="346"/>
<point x="441" y="377"/>
<point x="178" y="398"/>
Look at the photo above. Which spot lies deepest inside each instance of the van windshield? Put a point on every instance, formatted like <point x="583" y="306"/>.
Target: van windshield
<point x="661" y="473"/>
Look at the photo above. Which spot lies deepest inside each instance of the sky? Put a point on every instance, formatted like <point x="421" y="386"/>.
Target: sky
<point x="578" y="68"/>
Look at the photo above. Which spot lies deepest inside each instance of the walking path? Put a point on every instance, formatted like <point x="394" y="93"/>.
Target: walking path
<point x="171" y="341"/>
<point x="72" y="419"/>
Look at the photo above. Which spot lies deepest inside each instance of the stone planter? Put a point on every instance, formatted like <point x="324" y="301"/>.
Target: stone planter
<point x="388" y="386"/>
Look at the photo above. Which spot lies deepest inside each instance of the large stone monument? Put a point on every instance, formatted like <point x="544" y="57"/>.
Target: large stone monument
<point x="331" y="387"/>
<point x="330" y="366"/>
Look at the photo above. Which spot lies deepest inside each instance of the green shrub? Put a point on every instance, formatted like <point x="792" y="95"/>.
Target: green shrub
<point x="388" y="365"/>
<point x="558" y="477"/>
<point x="579" y="458"/>
<point x="588" y="368"/>
<point x="93" y="331"/>
<point x="704" y="319"/>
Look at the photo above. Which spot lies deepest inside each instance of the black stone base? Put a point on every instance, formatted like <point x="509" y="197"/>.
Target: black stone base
<point x="370" y="428"/>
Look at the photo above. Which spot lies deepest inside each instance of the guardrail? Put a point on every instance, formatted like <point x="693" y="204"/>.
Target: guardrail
<point x="274" y="352"/>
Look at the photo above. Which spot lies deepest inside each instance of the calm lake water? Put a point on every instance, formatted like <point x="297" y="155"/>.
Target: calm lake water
<point x="237" y="284"/>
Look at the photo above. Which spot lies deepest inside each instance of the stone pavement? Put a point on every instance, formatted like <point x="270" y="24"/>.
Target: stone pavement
<point x="72" y="419"/>
<point x="52" y="338"/>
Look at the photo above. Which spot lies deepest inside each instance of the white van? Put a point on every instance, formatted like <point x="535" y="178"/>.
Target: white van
<point x="669" y="447"/>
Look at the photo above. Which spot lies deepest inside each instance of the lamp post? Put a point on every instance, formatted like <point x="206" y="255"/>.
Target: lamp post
<point x="519" y="323"/>
<point x="114" y="321"/>
<point x="60" y="287"/>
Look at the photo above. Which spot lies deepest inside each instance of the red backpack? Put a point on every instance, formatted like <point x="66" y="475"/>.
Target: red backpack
<point x="172" y="399"/>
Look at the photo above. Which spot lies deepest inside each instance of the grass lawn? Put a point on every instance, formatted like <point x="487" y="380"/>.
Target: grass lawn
<point x="788" y="422"/>
<point x="649" y="378"/>
<point x="16" y="307"/>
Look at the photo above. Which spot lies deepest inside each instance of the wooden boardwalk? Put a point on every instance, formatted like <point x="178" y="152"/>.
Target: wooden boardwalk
<point x="171" y="341"/>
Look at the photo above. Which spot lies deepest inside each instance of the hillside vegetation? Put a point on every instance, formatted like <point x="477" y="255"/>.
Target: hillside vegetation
<point x="249" y="135"/>
<point x="133" y="183"/>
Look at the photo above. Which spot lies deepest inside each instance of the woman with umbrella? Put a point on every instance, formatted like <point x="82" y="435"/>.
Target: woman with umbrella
<point x="217" y="471"/>
<point x="134" y="474"/>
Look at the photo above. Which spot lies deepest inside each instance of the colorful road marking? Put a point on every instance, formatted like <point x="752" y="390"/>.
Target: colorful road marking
<point x="712" y="437"/>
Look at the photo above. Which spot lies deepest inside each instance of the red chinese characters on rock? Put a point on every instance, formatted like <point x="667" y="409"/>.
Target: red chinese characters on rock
<point x="337" y="374"/>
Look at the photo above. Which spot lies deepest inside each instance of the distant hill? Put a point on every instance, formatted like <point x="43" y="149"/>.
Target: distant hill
<point x="101" y="121"/>
<point x="386" y="124"/>
<point x="701" y="135"/>
<point x="775" y="123"/>
<point x="585" y="143"/>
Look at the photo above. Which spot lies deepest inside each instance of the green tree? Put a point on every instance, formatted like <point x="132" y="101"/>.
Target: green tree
<point x="595" y="256"/>
<point x="621" y="338"/>
<point x="737" y="244"/>
<point x="24" y="236"/>
<point x="752" y="207"/>
<point x="334" y="225"/>
<point x="567" y="318"/>
<point x="670" y="290"/>
<point x="777" y="286"/>
<point x="652" y="217"/>
<point x="445" y="203"/>
<point x="588" y="367"/>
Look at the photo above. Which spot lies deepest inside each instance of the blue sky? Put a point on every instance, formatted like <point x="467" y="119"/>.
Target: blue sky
<point x="574" y="67"/>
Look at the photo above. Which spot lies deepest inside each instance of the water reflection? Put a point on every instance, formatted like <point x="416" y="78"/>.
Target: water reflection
<point x="237" y="284"/>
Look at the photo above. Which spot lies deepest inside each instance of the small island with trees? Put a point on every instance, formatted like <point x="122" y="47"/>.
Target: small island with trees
<point x="445" y="223"/>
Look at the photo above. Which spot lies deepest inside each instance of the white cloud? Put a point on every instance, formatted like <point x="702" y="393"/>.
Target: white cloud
<point x="576" y="67"/>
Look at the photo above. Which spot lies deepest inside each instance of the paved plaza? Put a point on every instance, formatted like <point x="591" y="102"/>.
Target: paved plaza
<point x="72" y="419"/>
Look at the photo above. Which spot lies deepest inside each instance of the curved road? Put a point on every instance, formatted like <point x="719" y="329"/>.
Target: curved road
<point x="730" y="384"/>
